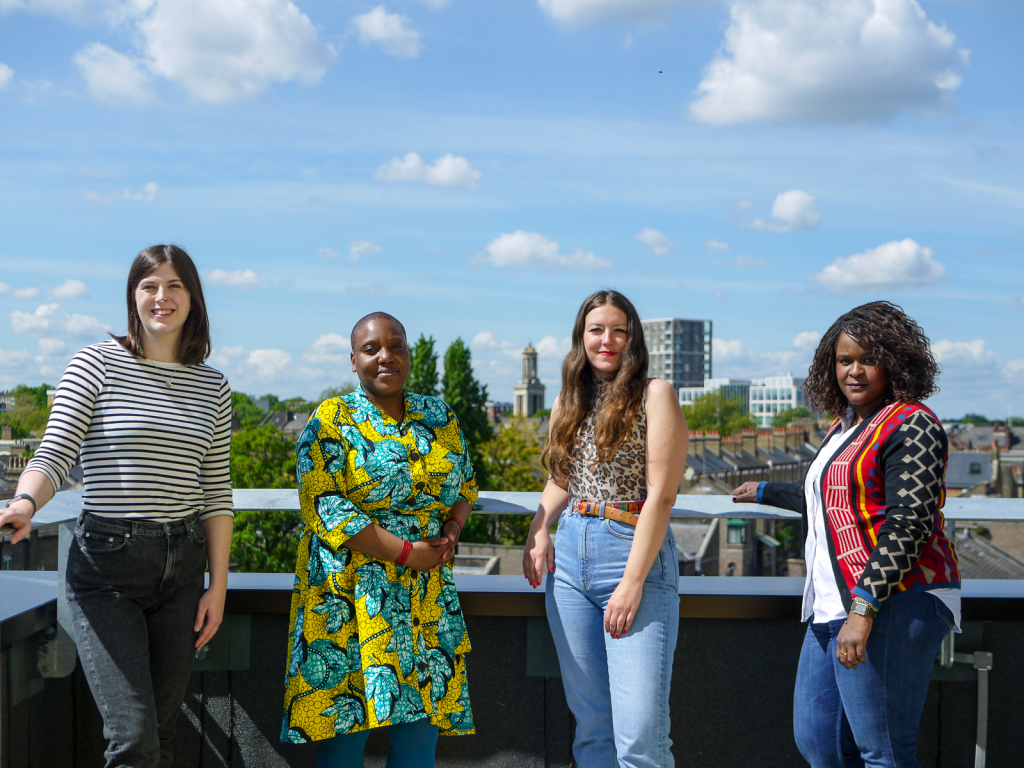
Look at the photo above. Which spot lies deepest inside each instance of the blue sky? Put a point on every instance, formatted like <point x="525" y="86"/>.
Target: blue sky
<point x="477" y="169"/>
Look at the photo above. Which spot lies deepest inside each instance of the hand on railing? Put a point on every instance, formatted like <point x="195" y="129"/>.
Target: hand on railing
<point x="746" y="493"/>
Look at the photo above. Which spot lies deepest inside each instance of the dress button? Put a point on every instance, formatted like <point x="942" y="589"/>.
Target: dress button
<point x="110" y="539"/>
<point x="420" y="486"/>
<point x="414" y="456"/>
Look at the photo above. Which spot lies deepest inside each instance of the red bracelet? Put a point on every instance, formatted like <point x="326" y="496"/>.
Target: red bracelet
<point x="406" y="551"/>
<point x="456" y="521"/>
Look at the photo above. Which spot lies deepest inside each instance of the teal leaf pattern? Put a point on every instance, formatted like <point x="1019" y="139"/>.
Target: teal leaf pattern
<point x="373" y="585"/>
<point x="382" y="687"/>
<point x="326" y="664"/>
<point x="323" y="561"/>
<point x="347" y="711"/>
<point x="409" y="706"/>
<point x="303" y="461"/>
<point x="298" y="652"/>
<point x="389" y="462"/>
<point x="334" y="510"/>
<point x="337" y="609"/>
<point x="442" y="668"/>
<point x="334" y="456"/>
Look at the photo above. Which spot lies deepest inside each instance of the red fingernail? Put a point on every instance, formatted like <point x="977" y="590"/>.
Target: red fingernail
<point x="552" y="569"/>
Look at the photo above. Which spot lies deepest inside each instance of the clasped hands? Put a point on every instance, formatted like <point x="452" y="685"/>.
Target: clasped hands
<point x="431" y="554"/>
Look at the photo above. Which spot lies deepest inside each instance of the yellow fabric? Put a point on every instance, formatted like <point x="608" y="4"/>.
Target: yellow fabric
<point x="372" y="643"/>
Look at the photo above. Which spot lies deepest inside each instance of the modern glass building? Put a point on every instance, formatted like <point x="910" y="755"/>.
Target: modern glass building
<point x="680" y="350"/>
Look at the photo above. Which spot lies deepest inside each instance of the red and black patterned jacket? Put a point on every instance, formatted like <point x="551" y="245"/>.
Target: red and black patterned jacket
<point x="882" y="496"/>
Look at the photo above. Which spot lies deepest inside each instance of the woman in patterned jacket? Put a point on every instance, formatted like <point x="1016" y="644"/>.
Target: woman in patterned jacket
<point x="883" y="587"/>
<point x="377" y="638"/>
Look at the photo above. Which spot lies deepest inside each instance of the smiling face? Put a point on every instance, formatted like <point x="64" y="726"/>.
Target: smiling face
<point x="604" y="339"/>
<point x="380" y="359"/>
<point x="862" y="380"/>
<point x="162" y="303"/>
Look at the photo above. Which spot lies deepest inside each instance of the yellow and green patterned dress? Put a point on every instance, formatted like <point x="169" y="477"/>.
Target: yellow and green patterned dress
<point x="373" y="643"/>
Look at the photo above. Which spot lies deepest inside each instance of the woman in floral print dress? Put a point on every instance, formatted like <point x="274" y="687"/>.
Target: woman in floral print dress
<point x="377" y="637"/>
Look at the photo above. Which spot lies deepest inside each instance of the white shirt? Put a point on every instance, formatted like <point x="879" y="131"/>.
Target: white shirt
<point x="822" y="600"/>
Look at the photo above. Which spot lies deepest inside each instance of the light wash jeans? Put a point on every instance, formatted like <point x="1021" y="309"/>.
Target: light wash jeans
<point x="869" y="716"/>
<point x="617" y="689"/>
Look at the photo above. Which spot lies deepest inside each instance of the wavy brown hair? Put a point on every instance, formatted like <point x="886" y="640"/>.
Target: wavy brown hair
<point x="622" y="402"/>
<point x="194" y="346"/>
<point x="902" y="349"/>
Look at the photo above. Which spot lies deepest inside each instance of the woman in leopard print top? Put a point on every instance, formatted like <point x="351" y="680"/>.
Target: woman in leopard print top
<point x="612" y="592"/>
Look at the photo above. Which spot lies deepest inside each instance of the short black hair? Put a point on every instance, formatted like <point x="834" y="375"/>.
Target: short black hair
<point x="899" y="343"/>
<point x="362" y="322"/>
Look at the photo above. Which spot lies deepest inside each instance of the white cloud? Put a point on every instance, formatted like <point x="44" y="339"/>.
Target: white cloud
<point x="551" y="346"/>
<point x="268" y="364"/>
<point x="149" y="192"/>
<point x="50" y="320"/>
<point x="530" y="249"/>
<point x="715" y="245"/>
<point x="232" y="51"/>
<point x="239" y="278"/>
<point x="736" y="360"/>
<point x="391" y="31"/>
<point x="327" y="253"/>
<point x="899" y="264"/>
<point x="113" y="78"/>
<point x="70" y="289"/>
<point x="970" y="355"/>
<point x="743" y="205"/>
<point x="4" y="289"/>
<point x="828" y="60"/>
<point x="594" y="11"/>
<point x="52" y="347"/>
<point x="807" y="341"/>
<point x="745" y="262"/>
<point x="791" y="210"/>
<point x="357" y="249"/>
<point x="6" y="75"/>
<point x="658" y="242"/>
<point x="26" y="293"/>
<point x="484" y="340"/>
<point x="447" y="171"/>
<point x="329" y="349"/>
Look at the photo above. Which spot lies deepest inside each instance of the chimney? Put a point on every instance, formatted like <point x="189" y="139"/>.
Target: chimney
<point x="712" y="442"/>
<point x="6" y="432"/>
<point x="733" y="444"/>
<point x="696" y="442"/>
<point x="766" y="439"/>
<point x="794" y="437"/>
<point x="750" y="441"/>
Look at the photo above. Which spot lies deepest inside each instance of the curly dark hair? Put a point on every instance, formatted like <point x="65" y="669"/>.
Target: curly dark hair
<point x="902" y="349"/>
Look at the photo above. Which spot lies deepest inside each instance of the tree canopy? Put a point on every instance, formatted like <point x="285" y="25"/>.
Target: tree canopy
<point x="423" y="372"/>
<point x="262" y="457"/>
<point x="467" y="397"/>
<point x="783" y="418"/>
<point x="715" y="411"/>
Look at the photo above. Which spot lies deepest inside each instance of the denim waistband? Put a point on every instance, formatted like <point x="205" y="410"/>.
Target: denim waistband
<point x="121" y="525"/>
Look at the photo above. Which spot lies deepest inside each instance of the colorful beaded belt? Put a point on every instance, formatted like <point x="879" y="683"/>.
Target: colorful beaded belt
<point x="627" y="512"/>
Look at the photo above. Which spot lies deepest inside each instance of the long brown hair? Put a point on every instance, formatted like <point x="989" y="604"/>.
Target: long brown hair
<point x="622" y="401"/>
<point x="194" y="346"/>
<point x="895" y="339"/>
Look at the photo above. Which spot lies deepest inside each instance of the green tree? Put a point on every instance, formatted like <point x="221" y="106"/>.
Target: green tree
<point x="18" y="429"/>
<point x="1016" y="421"/>
<point x="31" y="398"/>
<point x="715" y="411"/>
<point x="782" y="418"/>
<point x="512" y="458"/>
<point x="975" y="418"/>
<point x="467" y="397"/>
<point x="423" y="371"/>
<point x="262" y="457"/>
<point x="266" y="542"/>
<point x="249" y="414"/>
<point x="339" y="391"/>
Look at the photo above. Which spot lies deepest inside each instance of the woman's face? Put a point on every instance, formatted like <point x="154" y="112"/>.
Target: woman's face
<point x="162" y="302"/>
<point x="604" y="339"/>
<point x="864" y="382"/>
<point x="380" y="358"/>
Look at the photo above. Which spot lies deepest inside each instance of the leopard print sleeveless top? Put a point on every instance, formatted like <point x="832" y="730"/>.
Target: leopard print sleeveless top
<point x="624" y="478"/>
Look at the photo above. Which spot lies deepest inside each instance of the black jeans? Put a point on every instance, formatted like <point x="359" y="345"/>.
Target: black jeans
<point x="133" y="588"/>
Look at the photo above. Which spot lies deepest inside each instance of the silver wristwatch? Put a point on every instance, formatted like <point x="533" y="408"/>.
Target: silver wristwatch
<point x="863" y="608"/>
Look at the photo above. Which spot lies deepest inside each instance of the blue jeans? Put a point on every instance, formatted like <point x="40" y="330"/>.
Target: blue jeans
<point x="617" y="689"/>
<point x="869" y="716"/>
<point x="133" y="588"/>
<point x="412" y="746"/>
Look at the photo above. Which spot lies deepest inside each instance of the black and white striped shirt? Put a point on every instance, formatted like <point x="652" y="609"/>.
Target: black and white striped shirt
<point x="154" y="437"/>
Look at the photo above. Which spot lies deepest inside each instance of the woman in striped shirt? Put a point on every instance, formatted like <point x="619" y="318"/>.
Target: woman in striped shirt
<point x="152" y="424"/>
